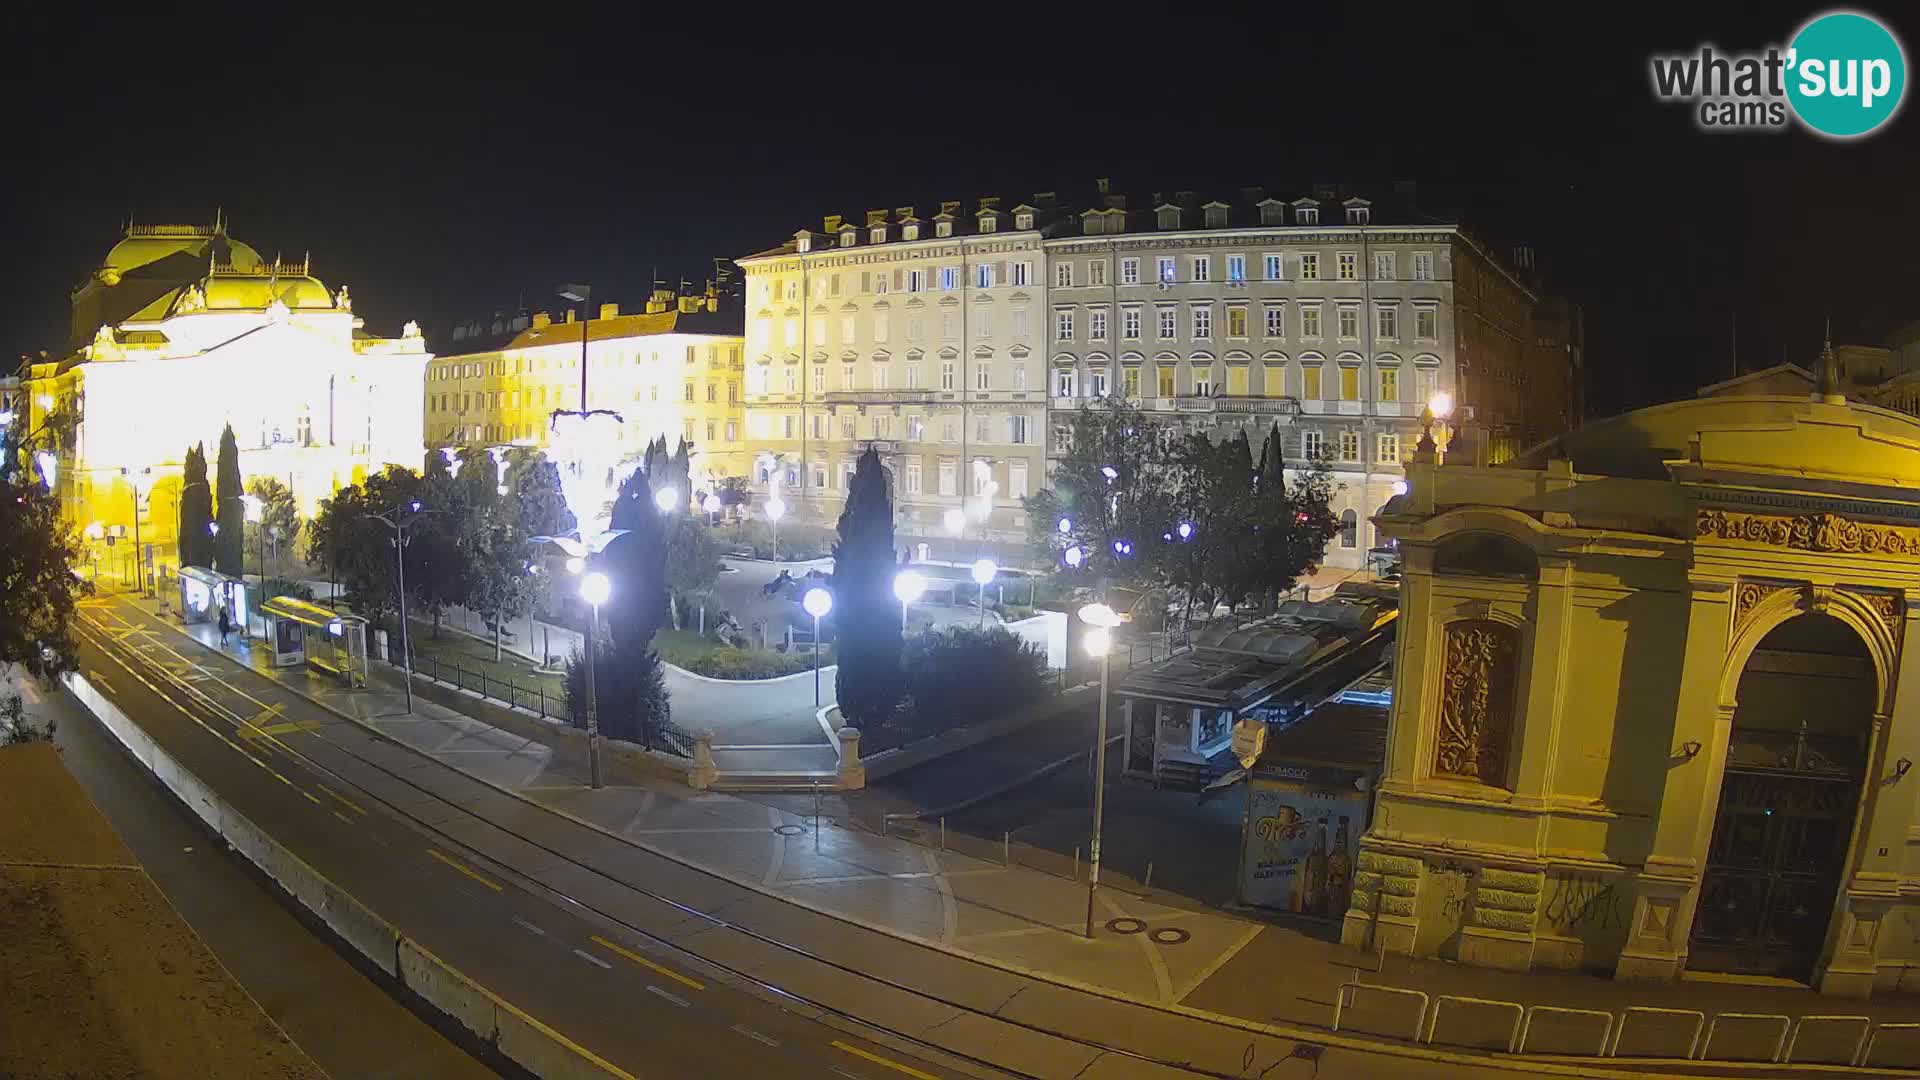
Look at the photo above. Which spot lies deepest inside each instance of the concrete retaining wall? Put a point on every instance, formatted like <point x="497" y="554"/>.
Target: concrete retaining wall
<point x="888" y="762"/>
<point x="526" y="1041"/>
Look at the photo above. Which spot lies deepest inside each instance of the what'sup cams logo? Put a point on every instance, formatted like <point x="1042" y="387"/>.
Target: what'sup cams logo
<point x="1843" y="76"/>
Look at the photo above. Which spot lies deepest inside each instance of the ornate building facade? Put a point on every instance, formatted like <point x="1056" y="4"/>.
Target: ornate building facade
<point x="674" y="369"/>
<point x="961" y="343"/>
<point x="1651" y="710"/>
<point x="184" y="330"/>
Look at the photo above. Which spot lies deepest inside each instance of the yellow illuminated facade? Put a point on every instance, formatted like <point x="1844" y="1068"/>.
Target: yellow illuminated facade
<point x="186" y="331"/>
<point x="673" y="370"/>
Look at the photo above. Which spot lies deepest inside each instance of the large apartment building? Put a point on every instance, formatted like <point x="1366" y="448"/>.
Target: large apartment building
<point x="674" y="369"/>
<point x="957" y="343"/>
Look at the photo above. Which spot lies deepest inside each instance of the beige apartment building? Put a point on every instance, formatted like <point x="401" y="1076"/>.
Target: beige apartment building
<point x="958" y="344"/>
<point x="1336" y="317"/>
<point x="674" y="369"/>
<point x="921" y="337"/>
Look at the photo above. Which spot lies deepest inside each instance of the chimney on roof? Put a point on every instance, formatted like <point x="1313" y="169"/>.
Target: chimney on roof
<point x="1102" y="185"/>
<point x="1045" y="200"/>
<point x="876" y="217"/>
<point x="609" y="311"/>
<point x="1186" y="199"/>
<point x="1324" y="190"/>
<point x="831" y="223"/>
<point x="660" y="300"/>
<point x="989" y="202"/>
<point x="1116" y="202"/>
<point x="950" y="206"/>
<point x="689" y="304"/>
<point x="1253" y="194"/>
<point x="542" y="320"/>
<point x="1523" y="257"/>
<point x="902" y="213"/>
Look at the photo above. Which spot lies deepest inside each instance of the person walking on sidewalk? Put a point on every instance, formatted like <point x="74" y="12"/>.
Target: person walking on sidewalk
<point x="226" y="626"/>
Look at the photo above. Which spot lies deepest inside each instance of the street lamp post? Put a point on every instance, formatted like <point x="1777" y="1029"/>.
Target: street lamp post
<point x="256" y="515"/>
<point x="1099" y="643"/>
<point x="594" y="589"/>
<point x="711" y="504"/>
<point x="818" y="602"/>
<point x="392" y="520"/>
<point x="983" y="572"/>
<point x="776" y="508"/>
<point x="907" y="586"/>
<point x="140" y="479"/>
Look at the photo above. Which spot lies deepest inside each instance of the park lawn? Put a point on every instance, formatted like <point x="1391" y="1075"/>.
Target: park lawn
<point x="703" y="656"/>
<point x="476" y="657"/>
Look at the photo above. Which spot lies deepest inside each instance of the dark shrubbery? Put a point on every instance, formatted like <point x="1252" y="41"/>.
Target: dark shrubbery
<point x="965" y="674"/>
<point x="631" y="694"/>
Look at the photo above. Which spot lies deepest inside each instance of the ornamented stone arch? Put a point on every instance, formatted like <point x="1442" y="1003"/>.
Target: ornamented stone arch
<point x="1759" y="607"/>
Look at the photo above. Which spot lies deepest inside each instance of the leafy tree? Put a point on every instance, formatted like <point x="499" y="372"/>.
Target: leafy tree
<point x="229" y="554"/>
<point x="37" y="586"/>
<point x="963" y="673"/>
<point x="439" y="545"/>
<point x="538" y="508"/>
<point x="636" y="562"/>
<point x="1133" y="506"/>
<point x="693" y="563"/>
<point x="196" y="511"/>
<point x="868" y="644"/>
<point x="631" y="700"/>
<point x="278" y="511"/>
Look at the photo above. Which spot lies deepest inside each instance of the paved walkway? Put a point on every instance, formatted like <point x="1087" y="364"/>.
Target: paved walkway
<point x="1017" y="918"/>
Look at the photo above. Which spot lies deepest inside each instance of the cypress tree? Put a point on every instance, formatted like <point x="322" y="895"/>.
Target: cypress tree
<point x="229" y="550"/>
<point x="865" y="613"/>
<point x="196" y="511"/>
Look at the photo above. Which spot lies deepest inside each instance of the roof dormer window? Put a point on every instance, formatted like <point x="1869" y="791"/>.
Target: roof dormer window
<point x="879" y="234"/>
<point x="1273" y="212"/>
<point x="1307" y="215"/>
<point x="943" y="228"/>
<point x="989" y="223"/>
<point x="1216" y="215"/>
<point x="1023" y="221"/>
<point x="909" y="232"/>
<point x="849" y="237"/>
<point x="803" y="243"/>
<point x="1168" y="217"/>
<point x="1359" y="215"/>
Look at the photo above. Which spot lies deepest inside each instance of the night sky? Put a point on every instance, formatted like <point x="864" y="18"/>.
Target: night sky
<point x="448" y="170"/>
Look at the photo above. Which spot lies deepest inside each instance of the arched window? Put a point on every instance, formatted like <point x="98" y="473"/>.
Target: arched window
<point x="1349" y="529"/>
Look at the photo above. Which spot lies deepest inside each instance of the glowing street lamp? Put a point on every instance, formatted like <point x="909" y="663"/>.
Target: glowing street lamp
<point x="1441" y="404"/>
<point x="667" y="499"/>
<point x="1065" y="526"/>
<point x="1399" y="487"/>
<point x="983" y="572"/>
<point x="956" y="520"/>
<point x="776" y="509"/>
<point x="711" y="504"/>
<point x="1075" y="557"/>
<point x="1185" y="531"/>
<point x="1099" y="642"/>
<point x="594" y="589"/>
<point x="818" y="602"/>
<point x="907" y="586"/>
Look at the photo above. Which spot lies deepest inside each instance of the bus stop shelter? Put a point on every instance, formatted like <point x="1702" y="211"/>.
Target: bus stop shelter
<point x="326" y="641"/>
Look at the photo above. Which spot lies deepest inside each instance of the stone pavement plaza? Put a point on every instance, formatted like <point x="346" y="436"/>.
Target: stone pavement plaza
<point x="1154" y="948"/>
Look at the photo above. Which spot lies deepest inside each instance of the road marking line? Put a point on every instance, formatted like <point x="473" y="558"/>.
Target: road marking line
<point x="592" y="959"/>
<point x="343" y="818"/>
<point x="350" y="804"/>
<point x="878" y="1060"/>
<point x="495" y="886"/>
<point x="648" y="964"/>
<point x="756" y="1036"/>
<point x="675" y="998"/>
<point x="310" y="797"/>
<point x="375" y="837"/>
<point x="529" y="926"/>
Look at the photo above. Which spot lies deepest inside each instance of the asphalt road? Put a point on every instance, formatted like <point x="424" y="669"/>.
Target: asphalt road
<point x="349" y="1024"/>
<point x="599" y="985"/>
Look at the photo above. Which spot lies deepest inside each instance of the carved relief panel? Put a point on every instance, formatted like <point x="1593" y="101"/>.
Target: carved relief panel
<point x="1476" y="701"/>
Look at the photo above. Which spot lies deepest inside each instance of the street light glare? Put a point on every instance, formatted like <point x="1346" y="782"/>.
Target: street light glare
<point x="956" y="519"/>
<point x="776" y="508"/>
<point x="1099" y="615"/>
<point x="1441" y="404"/>
<point x="711" y="504"/>
<point x="1185" y="530"/>
<point x="415" y="505"/>
<point x="818" y="602"/>
<point x="908" y="585"/>
<point x="1074" y="556"/>
<point x="575" y="564"/>
<point x="983" y="571"/>
<point x="667" y="499"/>
<point x="1399" y="487"/>
<point x="1066" y="526"/>
<point x="1098" y="641"/>
<point x="595" y="588"/>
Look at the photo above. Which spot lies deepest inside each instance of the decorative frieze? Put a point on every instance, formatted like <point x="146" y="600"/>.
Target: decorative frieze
<point x="1476" y="701"/>
<point x="1886" y="605"/>
<point x="1749" y="596"/>
<point x="1809" y="532"/>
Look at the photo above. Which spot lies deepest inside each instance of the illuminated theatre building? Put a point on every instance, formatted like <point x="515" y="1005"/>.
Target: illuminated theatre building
<point x="182" y="330"/>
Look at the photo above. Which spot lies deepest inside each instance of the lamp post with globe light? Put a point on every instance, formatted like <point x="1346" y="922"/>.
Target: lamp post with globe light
<point x="711" y="504"/>
<point x="776" y="509"/>
<point x="983" y="572"/>
<point x="818" y="602"/>
<point x="393" y="519"/>
<point x="1099" y="642"/>
<point x="595" y="588"/>
<point x="907" y="587"/>
<point x="256" y="512"/>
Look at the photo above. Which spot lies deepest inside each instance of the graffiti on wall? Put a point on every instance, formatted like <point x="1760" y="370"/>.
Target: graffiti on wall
<point x="1586" y="903"/>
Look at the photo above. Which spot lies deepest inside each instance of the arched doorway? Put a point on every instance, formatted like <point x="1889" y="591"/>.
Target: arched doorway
<point x="1788" y="801"/>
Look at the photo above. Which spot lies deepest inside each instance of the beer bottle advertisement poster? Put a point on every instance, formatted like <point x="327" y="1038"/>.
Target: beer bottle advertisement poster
<point x="1301" y="844"/>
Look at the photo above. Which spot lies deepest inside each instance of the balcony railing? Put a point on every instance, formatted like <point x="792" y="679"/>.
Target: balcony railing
<point x="878" y="397"/>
